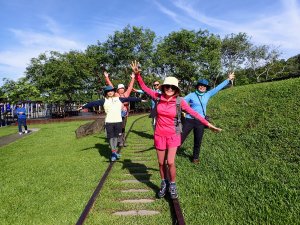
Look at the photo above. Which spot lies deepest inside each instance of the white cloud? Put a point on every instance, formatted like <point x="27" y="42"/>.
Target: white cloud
<point x="30" y="44"/>
<point x="281" y="29"/>
<point x="169" y="13"/>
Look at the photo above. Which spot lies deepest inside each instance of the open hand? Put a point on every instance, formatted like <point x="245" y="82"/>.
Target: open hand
<point x="106" y="74"/>
<point x="214" y="129"/>
<point x="135" y="68"/>
<point x="231" y="76"/>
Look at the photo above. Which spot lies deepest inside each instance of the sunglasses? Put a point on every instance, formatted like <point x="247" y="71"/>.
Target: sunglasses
<point x="173" y="87"/>
<point x="155" y="84"/>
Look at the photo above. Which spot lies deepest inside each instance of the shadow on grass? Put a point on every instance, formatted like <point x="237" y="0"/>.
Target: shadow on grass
<point x="183" y="152"/>
<point x="103" y="149"/>
<point x="143" y="134"/>
<point x="140" y="172"/>
<point x="145" y="150"/>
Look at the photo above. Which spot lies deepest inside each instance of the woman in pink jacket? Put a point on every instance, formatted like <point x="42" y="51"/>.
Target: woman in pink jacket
<point x="166" y="139"/>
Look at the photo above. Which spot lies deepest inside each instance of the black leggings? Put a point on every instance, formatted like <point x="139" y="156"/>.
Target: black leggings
<point x="198" y="129"/>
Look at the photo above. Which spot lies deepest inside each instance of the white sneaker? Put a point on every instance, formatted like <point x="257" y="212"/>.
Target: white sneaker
<point x="20" y="133"/>
<point x="26" y="131"/>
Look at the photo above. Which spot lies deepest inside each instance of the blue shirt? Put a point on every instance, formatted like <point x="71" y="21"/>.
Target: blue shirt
<point x="21" y="113"/>
<point x="193" y="100"/>
<point x="152" y="101"/>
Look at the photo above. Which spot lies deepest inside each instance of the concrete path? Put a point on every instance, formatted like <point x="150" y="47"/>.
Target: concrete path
<point x="5" y="140"/>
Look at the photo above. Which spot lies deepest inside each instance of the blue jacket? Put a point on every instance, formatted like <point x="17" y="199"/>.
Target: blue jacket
<point x="21" y="113"/>
<point x="193" y="100"/>
<point x="152" y="101"/>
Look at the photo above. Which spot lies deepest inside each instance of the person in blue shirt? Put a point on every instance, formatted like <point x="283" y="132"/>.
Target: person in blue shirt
<point x="21" y="114"/>
<point x="156" y="87"/>
<point x="198" y="101"/>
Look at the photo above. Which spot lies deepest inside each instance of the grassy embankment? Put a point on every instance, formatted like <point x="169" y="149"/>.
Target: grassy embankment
<point x="249" y="173"/>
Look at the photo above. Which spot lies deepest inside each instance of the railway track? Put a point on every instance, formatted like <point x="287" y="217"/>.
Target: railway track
<point x="136" y="166"/>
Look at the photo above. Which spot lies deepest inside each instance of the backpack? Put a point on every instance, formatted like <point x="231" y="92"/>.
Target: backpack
<point x="177" y="120"/>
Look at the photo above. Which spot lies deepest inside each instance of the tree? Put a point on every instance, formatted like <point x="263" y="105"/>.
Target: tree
<point x="115" y="54"/>
<point x="293" y="66"/>
<point x="261" y="59"/>
<point x="234" y="51"/>
<point x="188" y="55"/>
<point x="20" y="90"/>
<point x="62" y="77"/>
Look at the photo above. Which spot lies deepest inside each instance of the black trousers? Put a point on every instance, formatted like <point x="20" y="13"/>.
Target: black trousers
<point x="198" y="129"/>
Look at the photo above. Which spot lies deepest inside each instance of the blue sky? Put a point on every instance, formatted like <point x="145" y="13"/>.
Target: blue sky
<point x="31" y="27"/>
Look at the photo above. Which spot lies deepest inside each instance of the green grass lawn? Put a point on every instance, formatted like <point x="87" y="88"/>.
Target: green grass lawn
<point x="47" y="177"/>
<point x="248" y="174"/>
<point x="7" y="130"/>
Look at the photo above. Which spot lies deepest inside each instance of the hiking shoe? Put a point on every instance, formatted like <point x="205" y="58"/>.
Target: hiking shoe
<point x="118" y="155"/>
<point x="115" y="156"/>
<point x="173" y="191"/>
<point x="196" y="161"/>
<point x="163" y="189"/>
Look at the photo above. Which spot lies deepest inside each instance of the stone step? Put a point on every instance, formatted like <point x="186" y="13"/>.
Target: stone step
<point x="136" y="213"/>
<point x="143" y="200"/>
<point x="135" y="190"/>
<point x="138" y="174"/>
<point x="136" y="181"/>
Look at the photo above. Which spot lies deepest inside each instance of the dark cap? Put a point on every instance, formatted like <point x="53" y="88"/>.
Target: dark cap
<point x="203" y="82"/>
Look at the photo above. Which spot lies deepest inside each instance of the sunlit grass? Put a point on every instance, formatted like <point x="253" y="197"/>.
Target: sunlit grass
<point x="248" y="174"/>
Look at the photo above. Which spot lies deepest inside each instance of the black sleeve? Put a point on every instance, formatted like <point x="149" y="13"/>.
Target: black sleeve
<point x="95" y="103"/>
<point x="130" y="99"/>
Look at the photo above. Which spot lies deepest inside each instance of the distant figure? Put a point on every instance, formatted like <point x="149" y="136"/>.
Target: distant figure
<point x="21" y="114"/>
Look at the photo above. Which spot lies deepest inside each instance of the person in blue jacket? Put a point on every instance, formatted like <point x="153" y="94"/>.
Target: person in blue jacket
<point x="198" y="101"/>
<point x="21" y="114"/>
<point x="113" y="121"/>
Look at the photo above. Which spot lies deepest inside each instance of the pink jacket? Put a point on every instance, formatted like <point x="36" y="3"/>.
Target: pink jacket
<point x="166" y="110"/>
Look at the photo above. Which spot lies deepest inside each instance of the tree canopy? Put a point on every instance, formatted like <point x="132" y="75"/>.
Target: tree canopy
<point x="188" y="55"/>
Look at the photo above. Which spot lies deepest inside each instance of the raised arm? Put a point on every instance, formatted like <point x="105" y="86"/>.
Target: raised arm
<point x="130" y="86"/>
<point x="222" y="85"/>
<point x="107" y="80"/>
<point x="138" y="77"/>
<point x="196" y="115"/>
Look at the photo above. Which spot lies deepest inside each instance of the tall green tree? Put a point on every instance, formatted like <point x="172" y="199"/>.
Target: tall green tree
<point x="293" y="66"/>
<point x="20" y="90"/>
<point x="115" y="54"/>
<point x="62" y="77"/>
<point x="234" y="51"/>
<point x="261" y="60"/>
<point x="189" y="55"/>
